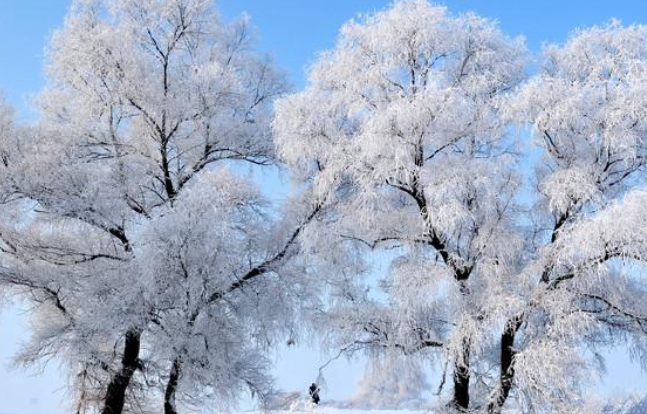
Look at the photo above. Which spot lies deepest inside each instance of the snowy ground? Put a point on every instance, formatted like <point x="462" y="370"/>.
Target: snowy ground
<point x="634" y="404"/>
<point x="333" y="410"/>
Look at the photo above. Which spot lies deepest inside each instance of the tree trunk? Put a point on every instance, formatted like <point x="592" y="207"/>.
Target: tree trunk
<point x="461" y="399"/>
<point x="506" y="375"/>
<point x="116" y="392"/>
<point x="171" y="388"/>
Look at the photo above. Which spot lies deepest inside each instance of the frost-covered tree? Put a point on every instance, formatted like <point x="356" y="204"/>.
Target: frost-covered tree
<point x="582" y="280"/>
<point x="6" y="118"/>
<point x="9" y="133"/>
<point x="629" y="405"/>
<point x="140" y="243"/>
<point x="218" y="272"/>
<point x="403" y="117"/>
<point x="508" y="281"/>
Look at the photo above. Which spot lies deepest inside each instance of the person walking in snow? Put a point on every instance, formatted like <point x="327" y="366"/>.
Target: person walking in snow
<point x="314" y="393"/>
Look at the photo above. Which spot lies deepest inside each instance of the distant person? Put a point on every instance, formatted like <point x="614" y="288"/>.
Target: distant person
<point x="314" y="393"/>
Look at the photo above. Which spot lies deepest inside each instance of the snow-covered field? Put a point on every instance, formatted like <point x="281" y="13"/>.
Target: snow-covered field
<point x="629" y="408"/>
<point x="634" y="404"/>
<point x="333" y="410"/>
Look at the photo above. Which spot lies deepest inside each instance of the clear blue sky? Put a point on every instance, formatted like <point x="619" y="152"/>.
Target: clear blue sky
<point x="292" y="31"/>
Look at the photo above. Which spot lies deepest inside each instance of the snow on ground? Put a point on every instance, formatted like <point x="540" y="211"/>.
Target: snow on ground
<point x="333" y="410"/>
<point x="628" y="408"/>
<point x="632" y="404"/>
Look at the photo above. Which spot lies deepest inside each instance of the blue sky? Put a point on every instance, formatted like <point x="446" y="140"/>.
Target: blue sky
<point x="292" y="31"/>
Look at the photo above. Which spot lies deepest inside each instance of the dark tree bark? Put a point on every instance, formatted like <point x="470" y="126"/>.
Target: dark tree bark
<point x="506" y="375"/>
<point x="116" y="392"/>
<point x="171" y="387"/>
<point x="461" y="399"/>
